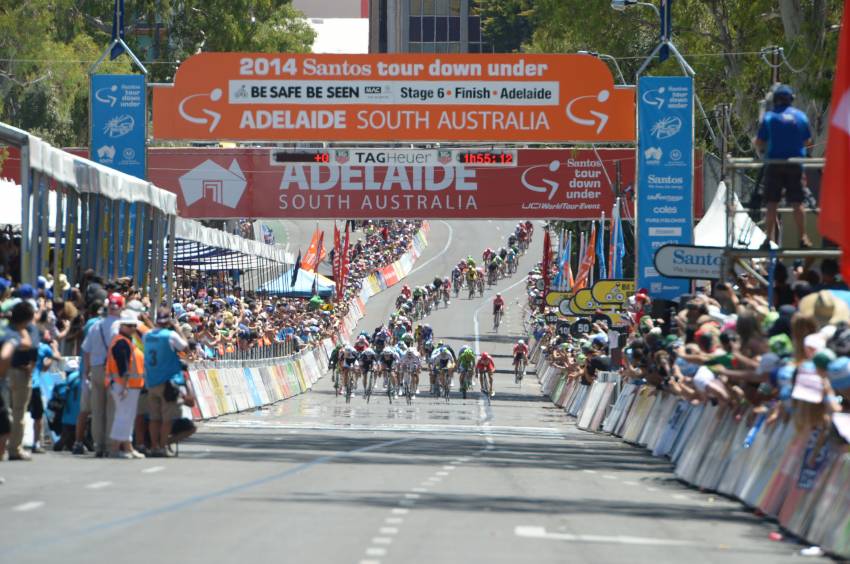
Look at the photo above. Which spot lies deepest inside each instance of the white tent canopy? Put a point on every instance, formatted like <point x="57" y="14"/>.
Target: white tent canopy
<point x="711" y="230"/>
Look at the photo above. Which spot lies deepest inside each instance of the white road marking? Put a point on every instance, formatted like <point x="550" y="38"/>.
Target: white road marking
<point x="484" y="431"/>
<point x="388" y="530"/>
<point x="441" y="473"/>
<point x="680" y="496"/>
<point x="652" y="489"/>
<point x="630" y="483"/>
<point x="400" y="511"/>
<point x="412" y="496"/>
<point x="376" y="551"/>
<point x="153" y="469"/>
<point x="438" y="255"/>
<point x="541" y="533"/>
<point x="394" y="520"/>
<point x="28" y="506"/>
<point x="382" y="540"/>
<point x="609" y="477"/>
<point x="98" y="485"/>
<point x="419" y="490"/>
<point x="589" y="471"/>
<point x="448" y="467"/>
<point x="490" y="447"/>
<point x="370" y="562"/>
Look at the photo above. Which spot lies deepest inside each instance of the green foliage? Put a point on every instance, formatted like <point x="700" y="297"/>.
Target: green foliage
<point x="507" y="24"/>
<point x="721" y="39"/>
<point x="48" y="46"/>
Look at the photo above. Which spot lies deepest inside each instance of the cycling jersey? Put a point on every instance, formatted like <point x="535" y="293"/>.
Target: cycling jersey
<point x="387" y="360"/>
<point x="411" y="360"/>
<point x="485" y="364"/>
<point x="520" y="349"/>
<point x="466" y="359"/>
<point x="498" y="303"/>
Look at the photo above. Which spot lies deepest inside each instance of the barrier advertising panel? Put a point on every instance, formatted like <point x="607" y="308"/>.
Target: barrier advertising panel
<point x="394" y="97"/>
<point x="118" y="118"/>
<point x="253" y="182"/>
<point x="665" y="176"/>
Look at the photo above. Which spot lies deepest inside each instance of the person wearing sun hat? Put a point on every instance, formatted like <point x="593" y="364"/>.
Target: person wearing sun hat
<point x="825" y="308"/>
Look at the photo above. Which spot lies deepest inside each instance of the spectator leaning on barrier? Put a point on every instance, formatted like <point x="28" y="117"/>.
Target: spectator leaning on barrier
<point x="96" y="400"/>
<point x="784" y="133"/>
<point x="163" y="376"/>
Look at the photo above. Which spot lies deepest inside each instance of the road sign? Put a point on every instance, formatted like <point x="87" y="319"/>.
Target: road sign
<point x="346" y="183"/>
<point x="118" y="122"/>
<point x="612" y="291"/>
<point x="689" y="261"/>
<point x="564" y="307"/>
<point x="665" y="178"/>
<point x="581" y="327"/>
<point x="563" y="329"/>
<point x="394" y="97"/>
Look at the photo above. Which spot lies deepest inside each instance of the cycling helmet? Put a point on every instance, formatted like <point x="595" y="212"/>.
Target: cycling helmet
<point x="498" y="295"/>
<point x="485" y="355"/>
<point x="440" y="344"/>
<point x="520" y="342"/>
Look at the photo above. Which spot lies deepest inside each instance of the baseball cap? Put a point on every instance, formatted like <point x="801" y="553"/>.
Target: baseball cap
<point x="26" y="292"/>
<point x="116" y="299"/>
<point x="137" y="306"/>
<point x="769" y="362"/>
<point x="5" y="284"/>
<point x="822" y="359"/>
<point x="129" y="317"/>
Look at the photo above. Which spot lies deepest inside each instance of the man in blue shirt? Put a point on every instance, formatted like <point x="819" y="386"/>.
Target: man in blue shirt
<point x="162" y="368"/>
<point x="783" y="134"/>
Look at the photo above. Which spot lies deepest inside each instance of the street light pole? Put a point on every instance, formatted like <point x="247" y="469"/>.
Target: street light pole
<point x="607" y="58"/>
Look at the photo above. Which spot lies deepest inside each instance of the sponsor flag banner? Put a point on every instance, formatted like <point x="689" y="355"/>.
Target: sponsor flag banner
<point x="250" y="182"/>
<point x="586" y="266"/>
<point x="394" y="97"/>
<point x="836" y="177"/>
<point x="600" y="249"/>
<point x="315" y="252"/>
<point x="118" y="122"/>
<point x="665" y="176"/>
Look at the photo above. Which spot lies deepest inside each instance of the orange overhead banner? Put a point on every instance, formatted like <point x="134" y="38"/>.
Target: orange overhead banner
<point x="394" y="97"/>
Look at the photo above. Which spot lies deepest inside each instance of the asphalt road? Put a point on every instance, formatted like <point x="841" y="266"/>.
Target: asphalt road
<point x="312" y="479"/>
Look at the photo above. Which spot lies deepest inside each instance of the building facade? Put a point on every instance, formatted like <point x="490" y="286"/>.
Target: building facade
<point x="425" y="26"/>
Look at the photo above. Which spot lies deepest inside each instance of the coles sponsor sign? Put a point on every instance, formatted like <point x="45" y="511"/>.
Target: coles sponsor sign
<point x="394" y="97"/>
<point x="542" y="183"/>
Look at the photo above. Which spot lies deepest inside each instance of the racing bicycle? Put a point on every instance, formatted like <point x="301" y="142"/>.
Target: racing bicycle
<point x="519" y="370"/>
<point x="465" y="381"/>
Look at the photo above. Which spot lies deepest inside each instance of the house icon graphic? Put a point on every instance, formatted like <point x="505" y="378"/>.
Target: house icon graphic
<point x="211" y="181"/>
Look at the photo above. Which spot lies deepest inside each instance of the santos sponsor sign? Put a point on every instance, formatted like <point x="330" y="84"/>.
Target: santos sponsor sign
<point x="688" y="261"/>
<point x="538" y="183"/>
<point x="394" y="97"/>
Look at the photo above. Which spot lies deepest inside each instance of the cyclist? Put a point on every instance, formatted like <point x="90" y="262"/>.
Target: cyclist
<point x="486" y="367"/>
<point x="349" y="363"/>
<point x="498" y="306"/>
<point x="529" y="227"/>
<point x="367" y="358"/>
<point x="457" y="277"/>
<point x="412" y="362"/>
<point x="471" y="275"/>
<point x="407" y="339"/>
<point x="447" y="288"/>
<point x="380" y="338"/>
<point x="406" y="292"/>
<point x="362" y="343"/>
<point x="488" y="255"/>
<point x="520" y="352"/>
<point x="437" y="282"/>
<point x="425" y="334"/>
<point x="333" y="362"/>
<point x="470" y="262"/>
<point x="511" y="260"/>
<point x="388" y="359"/>
<point x="466" y="362"/>
<point x="444" y="359"/>
<point x="512" y="240"/>
<point x="493" y="268"/>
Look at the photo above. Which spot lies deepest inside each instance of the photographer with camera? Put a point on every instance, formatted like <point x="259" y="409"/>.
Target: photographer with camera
<point x="163" y="377"/>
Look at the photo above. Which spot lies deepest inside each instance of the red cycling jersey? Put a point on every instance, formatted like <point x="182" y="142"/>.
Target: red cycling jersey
<point x="498" y="303"/>
<point x="521" y="349"/>
<point x="485" y="365"/>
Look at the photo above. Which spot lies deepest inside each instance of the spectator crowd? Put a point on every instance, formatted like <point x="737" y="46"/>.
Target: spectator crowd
<point x="100" y="369"/>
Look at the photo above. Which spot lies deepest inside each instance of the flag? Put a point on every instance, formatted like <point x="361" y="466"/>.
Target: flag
<point x="117" y="29"/>
<point x="569" y="272"/>
<point x="587" y="264"/>
<point x="337" y="256"/>
<point x="315" y="253"/>
<point x="833" y="222"/>
<point x="560" y="276"/>
<point x="295" y="268"/>
<point x="618" y="244"/>
<point x="546" y="263"/>
<point x="600" y="249"/>
<point x="343" y="266"/>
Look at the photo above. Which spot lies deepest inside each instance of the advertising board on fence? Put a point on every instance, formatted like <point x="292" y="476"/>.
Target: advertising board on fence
<point x="665" y="176"/>
<point x="689" y="261"/>
<point x="394" y="97"/>
<point x="250" y="182"/>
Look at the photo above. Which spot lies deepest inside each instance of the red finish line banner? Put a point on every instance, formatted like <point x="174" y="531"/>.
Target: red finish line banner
<point x="360" y="183"/>
<point x="395" y="97"/>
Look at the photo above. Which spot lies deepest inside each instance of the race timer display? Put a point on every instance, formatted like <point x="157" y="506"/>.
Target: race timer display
<point x="486" y="158"/>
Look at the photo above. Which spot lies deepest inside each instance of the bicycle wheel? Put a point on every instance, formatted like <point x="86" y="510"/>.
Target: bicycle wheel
<point x="447" y="387"/>
<point x="348" y="389"/>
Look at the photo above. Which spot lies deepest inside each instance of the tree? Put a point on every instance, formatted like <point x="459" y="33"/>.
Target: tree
<point x="507" y="24"/>
<point x="48" y="47"/>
